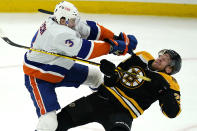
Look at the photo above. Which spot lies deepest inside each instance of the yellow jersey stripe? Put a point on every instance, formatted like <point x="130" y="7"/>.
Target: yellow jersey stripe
<point x="132" y="101"/>
<point x="122" y="102"/>
<point x="146" y="56"/>
<point x="173" y="84"/>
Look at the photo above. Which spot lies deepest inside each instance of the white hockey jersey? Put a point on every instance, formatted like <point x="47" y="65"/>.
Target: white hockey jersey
<point x="53" y="37"/>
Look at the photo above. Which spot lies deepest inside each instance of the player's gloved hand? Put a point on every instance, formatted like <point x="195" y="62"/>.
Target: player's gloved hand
<point x="111" y="80"/>
<point x="118" y="47"/>
<point x="130" y="41"/>
<point x="110" y="72"/>
<point x="107" y="67"/>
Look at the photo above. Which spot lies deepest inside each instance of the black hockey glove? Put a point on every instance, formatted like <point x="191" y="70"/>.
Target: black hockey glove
<point x="111" y="80"/>
<point x="107" y="67"/>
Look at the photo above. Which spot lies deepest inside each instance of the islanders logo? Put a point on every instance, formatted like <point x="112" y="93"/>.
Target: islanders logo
<point x="130" y="79"/>
<point x="69" y="43"/>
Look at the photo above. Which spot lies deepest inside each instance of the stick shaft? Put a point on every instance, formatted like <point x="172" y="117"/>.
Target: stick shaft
<point x="45" y="11"/>
<point x="49" y="53"/>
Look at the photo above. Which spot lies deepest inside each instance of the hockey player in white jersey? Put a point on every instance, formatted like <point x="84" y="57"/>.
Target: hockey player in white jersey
<point x="66" y="34"/>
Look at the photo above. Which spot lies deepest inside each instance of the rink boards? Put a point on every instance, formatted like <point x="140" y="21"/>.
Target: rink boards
<point x="181" y="8"/>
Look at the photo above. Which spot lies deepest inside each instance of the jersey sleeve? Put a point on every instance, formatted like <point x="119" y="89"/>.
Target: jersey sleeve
<point x="91" y="30"/>
<point x="170" y="101"/>
<point x="78" y="47"/>
<point x="93" y="49"/>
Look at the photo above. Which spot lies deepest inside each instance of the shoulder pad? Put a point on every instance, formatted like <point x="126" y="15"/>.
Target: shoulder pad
<point x="171" y="80"/>
<point x="145" y="56"/>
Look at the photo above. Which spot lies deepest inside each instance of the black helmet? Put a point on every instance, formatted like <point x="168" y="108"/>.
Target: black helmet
<point x="176" y="60"/>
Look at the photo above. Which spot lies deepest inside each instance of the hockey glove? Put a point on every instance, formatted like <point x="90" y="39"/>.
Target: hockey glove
<point x="130" y="41"/>
<point x="111" y="80"/>
<point x="107" y="67"/>
<point x="118" y="47"/>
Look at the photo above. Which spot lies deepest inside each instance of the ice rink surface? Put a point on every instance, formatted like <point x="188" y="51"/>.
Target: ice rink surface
<point x="154" y="33"/>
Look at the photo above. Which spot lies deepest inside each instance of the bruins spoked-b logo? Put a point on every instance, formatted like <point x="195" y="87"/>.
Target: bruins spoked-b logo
<point x="130" y="79"/>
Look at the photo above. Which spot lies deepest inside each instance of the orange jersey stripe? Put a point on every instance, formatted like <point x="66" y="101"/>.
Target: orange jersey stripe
<point x="43" y="76"/>
<point x="105" y="33"/>
<point x="37" y="96"/>
<point x="100" y="48"/>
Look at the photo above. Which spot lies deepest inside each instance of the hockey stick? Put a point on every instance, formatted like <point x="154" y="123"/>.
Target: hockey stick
<point x="49" y="53"/>
<point x="45" y="11"/>
<point x="7" y="40"/>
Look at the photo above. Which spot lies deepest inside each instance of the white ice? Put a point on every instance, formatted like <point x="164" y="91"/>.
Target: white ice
<point x="154" y="33"/>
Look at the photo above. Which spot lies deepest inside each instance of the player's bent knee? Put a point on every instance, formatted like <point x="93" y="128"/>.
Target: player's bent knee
<point x="94" y="78"/>
<point x="47" y="122"/>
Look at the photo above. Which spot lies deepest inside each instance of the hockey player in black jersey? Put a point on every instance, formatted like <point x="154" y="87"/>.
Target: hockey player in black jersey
<point x="123" y="96"/>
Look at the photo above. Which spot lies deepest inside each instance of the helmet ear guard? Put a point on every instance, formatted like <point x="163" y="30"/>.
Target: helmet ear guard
<point x="176" y="61"/>
<point x="65" y="10"/>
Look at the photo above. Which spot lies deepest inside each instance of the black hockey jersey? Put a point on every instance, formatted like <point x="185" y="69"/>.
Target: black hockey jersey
<point x="136" y="95"/>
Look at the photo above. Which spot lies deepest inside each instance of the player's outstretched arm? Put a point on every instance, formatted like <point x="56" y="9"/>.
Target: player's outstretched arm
<point x="93" y="49"/>
<point x="169" y="101"/>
